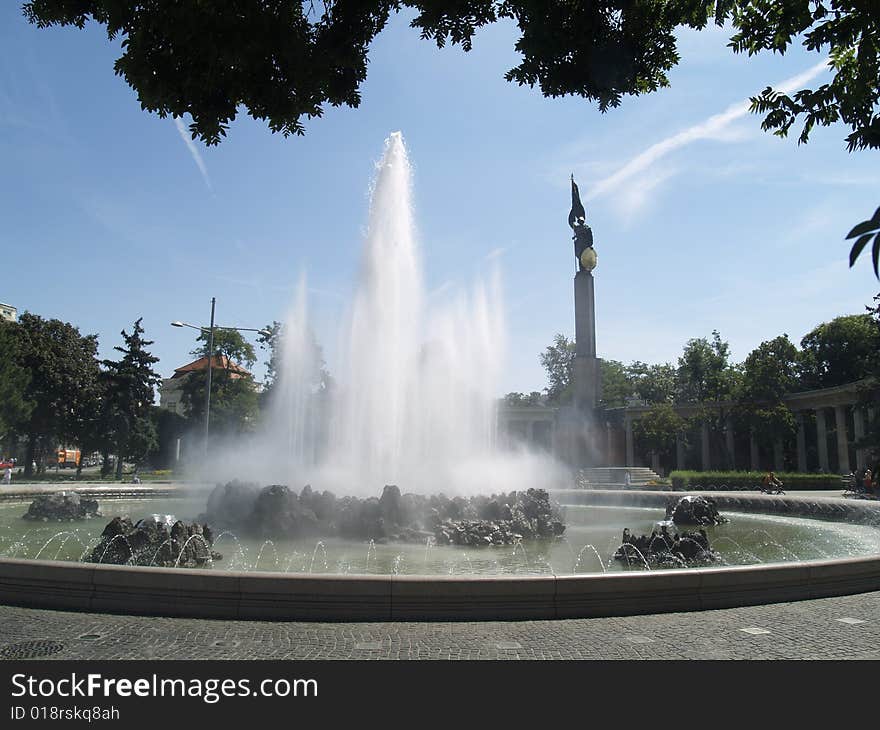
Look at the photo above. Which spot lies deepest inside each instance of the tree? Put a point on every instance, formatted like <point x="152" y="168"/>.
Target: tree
<point x="14" y="406"/>
<point x="95" y="424"/>
<point x="62" y="368"/>
<point x="270" y="339"/>
<point x="658" y="428"/>
<point x="513" y="400"/>
<point x="282" y="60"/>
<point x="849" y="31"/>
<point x="706" y="376"/>
<point x="234" y="399"/>
<point x="840" y="351"/>
<point x="558" y="361"/>
<point x="130" y="393"/>
<point x="229" y="346"/>
<point x="768" y="373"/>
<point x="653" y="383"/>
<point x="869" y="395"/>
<point x="704" y="372"/>
<point x="170" y="427"/>
<point x="616" y="384"/>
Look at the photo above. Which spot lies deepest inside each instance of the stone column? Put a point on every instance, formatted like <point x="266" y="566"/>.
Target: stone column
<point x="729" y="442"/>
<point x="801" y="442"/>
<point x="679" y="451"/>
<point x="705" y="459"/>
<point x="609" y="443"/>
<point x="822" y="439"/>
<point x="630" y="447"/>
<point x="842" y="441"/>
<point x="586" y="364"/>
<point x="753" y="453"/>
<point x="859" y="434"/>
<point x="778" y="456"/>
<point x="655" y="462"/>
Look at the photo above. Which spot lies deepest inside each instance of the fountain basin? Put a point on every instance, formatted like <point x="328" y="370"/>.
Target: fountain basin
<point x="281" y="596"/>
<point x="286" y="596"/>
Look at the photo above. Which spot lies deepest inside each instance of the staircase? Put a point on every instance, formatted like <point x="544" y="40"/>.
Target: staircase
<point x="614" y="477"/>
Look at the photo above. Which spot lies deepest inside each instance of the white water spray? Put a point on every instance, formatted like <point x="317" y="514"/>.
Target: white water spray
<point x="415" y="401"/>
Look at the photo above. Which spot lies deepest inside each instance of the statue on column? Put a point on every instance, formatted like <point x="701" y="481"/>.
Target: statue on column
<point x="583" y="236"/>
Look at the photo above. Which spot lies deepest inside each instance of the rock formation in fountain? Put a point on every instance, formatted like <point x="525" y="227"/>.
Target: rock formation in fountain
<point x="277" y="511"/>
<point x="694" y="510"/>
<point x="152" y="541"/>
<point x="665" y="550"/>
<point x="63" y="506"/>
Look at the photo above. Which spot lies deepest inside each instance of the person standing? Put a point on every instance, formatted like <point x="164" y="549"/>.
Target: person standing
<point x="7" y="475"/>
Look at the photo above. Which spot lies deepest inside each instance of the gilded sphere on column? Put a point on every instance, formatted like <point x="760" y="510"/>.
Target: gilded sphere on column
<point x="588" y="259"/>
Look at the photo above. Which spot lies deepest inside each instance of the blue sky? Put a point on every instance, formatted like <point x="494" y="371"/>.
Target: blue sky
<point x="701" y="220"/>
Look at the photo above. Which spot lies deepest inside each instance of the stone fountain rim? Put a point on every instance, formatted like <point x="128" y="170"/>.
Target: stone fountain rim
<point x="198" y="593"/>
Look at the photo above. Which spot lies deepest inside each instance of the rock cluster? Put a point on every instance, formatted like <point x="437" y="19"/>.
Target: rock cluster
<point x="62" y="507"/>
<point x="665" y="549"/>
<point x="155" y="540"/>
<point x="277" y="511"/>
<point x="694" y="510"/>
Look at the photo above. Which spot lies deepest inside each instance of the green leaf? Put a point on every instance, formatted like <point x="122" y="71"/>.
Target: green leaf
<point x="857" y="248"/>
<point x="862" y="228"/>
<point x="877" y="255"/>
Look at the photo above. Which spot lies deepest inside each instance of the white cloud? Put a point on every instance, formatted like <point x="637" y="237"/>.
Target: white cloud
<point x="193" y="150"/>
<point x="718" y="127"/>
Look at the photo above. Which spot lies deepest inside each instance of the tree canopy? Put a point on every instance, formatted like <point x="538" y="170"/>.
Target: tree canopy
<point x="558" y="361"/>
<point x="230" y="345"/>
<point x="284" y="60"/>
<point x="840" y="351"/>
<point x="14" y="379"/>
<point x="63" y="373"/>
<point x="704" y="370"/>
<point x="768" y="373"/>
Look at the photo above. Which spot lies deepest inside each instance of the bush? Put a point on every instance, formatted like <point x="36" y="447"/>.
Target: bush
<point x="732" y="480"/>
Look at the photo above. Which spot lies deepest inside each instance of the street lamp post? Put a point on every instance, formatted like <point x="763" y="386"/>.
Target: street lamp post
<point x="210" y="331"/>
<point x="210" y="368"/>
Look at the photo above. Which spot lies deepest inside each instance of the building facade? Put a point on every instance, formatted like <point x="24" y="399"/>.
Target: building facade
<point x="8" y="312"/>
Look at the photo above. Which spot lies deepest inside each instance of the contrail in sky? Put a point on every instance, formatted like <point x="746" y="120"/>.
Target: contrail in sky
<point x="710" y="128"/>
<point x="193" y="150"/>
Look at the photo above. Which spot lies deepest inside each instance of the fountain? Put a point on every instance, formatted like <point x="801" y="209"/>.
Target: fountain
<point x="418" y="377"/>
<point x="415" y="406"/>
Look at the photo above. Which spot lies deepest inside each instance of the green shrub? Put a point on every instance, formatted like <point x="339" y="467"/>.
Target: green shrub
<point x="709" y="480"/>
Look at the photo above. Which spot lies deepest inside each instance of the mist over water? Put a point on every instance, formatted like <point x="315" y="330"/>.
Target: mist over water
<point x="414" y="402"/>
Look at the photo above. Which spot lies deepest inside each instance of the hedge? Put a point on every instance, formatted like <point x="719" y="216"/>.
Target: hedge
<point x="750" y="480"/>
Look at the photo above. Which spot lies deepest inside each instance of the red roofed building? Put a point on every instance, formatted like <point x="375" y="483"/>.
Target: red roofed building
<point x="171" y="392"/>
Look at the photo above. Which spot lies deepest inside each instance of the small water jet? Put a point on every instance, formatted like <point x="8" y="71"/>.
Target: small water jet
<point x="266" y="543"/>
<point x="319" y="544"/>
<point x="577" y="562"/>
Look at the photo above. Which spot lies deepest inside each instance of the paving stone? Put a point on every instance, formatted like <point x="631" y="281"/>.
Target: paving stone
<point x="813" y="629"/>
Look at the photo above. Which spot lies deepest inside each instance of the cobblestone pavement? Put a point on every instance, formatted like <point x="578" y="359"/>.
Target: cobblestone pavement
<point x="831" y="628"/>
